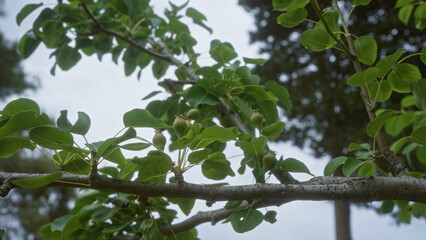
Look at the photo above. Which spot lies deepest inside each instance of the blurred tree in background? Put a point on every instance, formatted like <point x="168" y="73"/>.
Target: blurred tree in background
<point x="321" y="119"/>
<point x="24" y="211"/>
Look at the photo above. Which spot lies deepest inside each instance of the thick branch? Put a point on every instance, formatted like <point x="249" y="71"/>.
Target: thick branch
<point x="319" y="188"/>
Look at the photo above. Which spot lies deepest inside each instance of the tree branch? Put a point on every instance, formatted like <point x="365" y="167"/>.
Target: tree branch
<point x="213" y="216"/>
<point x="319" y="188"/>
<point x="392" y="163"/>
<point x="124" y="38"/>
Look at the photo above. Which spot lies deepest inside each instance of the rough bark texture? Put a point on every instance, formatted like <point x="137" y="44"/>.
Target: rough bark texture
<point x="318" y="188"/>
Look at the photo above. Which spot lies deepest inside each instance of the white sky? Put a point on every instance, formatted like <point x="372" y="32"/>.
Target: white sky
<point x="101" y="90"/>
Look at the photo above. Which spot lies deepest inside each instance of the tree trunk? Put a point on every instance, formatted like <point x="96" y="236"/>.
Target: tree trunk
<point x="342" y="216"/>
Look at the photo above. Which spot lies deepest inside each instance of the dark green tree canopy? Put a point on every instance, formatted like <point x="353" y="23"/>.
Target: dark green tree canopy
<point x="326" y="112"/>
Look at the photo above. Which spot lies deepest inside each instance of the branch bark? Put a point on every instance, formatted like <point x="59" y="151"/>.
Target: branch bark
<point x="318" y="188"/>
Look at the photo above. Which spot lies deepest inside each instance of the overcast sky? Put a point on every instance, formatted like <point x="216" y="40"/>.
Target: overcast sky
<point x="101" y="90"/>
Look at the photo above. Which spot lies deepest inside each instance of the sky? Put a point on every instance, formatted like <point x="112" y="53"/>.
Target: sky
<point x="101" y="90"/>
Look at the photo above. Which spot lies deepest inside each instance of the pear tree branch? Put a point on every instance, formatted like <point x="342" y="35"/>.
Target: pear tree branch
<point x="318" y="188"/>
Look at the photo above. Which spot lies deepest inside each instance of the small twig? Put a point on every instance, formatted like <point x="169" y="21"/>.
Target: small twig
<point x="6" y="186"/>
<point x="124" y="38"/>
<point x="178" y="82"/>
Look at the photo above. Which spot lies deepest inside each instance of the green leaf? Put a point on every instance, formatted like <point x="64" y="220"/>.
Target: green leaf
<point x="9" y="145"/>
<point x="419" y="135"/>
<point x="316" y="39"/>
<point x="216" y="167"/>
<point x="22" y="121"/>
<point x="135" y="146"/>
<point x="25" y="11"/>
<point x="211" y="134"/>
<point x="396" y="146"/>
<point x="292" y="18"/>
<point x="59" y="223"/>
<point x="408" y="72"/>
<point x="419" y="17"/>
<point x="154" y="167"/>
<point x="366" y="49"/>
<point x="404" y="215"/>
<point x="115" y="227"/>
<point x="361" y="2"/>
<point x="401" y="3"/>
<point x="418" y="209"/>
<point x="423" y="55"/>
<point x="421" y="154"/>
<point x="387" y="206"/>
<point x="408" y="101"/>
<point x="51" y="138"/>
<point x="67" y="58"/>
<point x="198" y="156"/>
<point x="142" y="118"/>
<point x="419" y="92"/>
<point x="183" y="142"/>
<point x="368" y="169"/>
<point x="20" y="105"/>
<point x="254" y="148"/>
<point x="152" y="94"/>
<point x="273" y="130"/>
<point x="46" y="232"/>
<point x="79" y="166"/>
<point x="387" y="63"/>
<point x="63" y="122"/>
<point x="270" y="216"/>
<point x="197" y="95"/>
<point x="233" y="204"/>
<point x="82" y="125"/>
<point x="244" y="106"/>
<point x="159" y="68"/>
<point x="269" y="111"/>
<point x="280" y="92"/>
<point x="355" y="146"/>
<point x="405" y="13"/>
<point x="294" y="165"/>
<point x="351" y="164"/>
<point x="127" y="170"/>
<point x="260" y="94"/>
<point x="397" y="83"/>
<point x="28" y="44"/>
<point x="288" y="5"/>
<point x="198" y="18"/>
<point x="87" y="197"/>
<point x="243" y="72"/>
<point x="37" y="182"/>
<point x="334" y="164"/>
<point x="254" y="60"/>
<point x="103" y="214"/>
<point x="396" y="124"/>
<point x="222" y="52"/>
<point x="364" y="78"/>
<point x="380" y="91"/>
<point x="374" y="126"/>
<point x="245" y="220"/>
<point x="185" y="204"/>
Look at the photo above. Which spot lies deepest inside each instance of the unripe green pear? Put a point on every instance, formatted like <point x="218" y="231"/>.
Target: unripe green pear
<point x="269" y="161"/>
<point x="193" y="113"/>
<point x="159" y="141"/>
<point x="179" y="126"/>
<point x="256" y="119"/>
